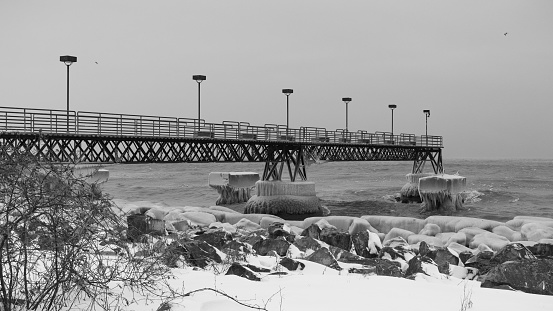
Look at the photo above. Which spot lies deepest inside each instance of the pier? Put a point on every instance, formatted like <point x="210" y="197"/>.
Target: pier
<point x="96" y="137"/>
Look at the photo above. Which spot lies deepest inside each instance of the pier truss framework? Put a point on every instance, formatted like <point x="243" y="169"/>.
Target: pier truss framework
<point x="279" y="156"/>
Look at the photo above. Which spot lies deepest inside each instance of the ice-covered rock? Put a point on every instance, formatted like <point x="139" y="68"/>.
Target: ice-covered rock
<point x="430" y="230"/>
<point x="442" y="192"/>
<point x="492" y="240"/>
<point x="386" y="223"/>
<point x="398" y="232"/>
<point x="536" y="231"/>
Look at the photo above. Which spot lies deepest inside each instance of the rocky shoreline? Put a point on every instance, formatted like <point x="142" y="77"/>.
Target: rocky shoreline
<point x="514" y="255"/>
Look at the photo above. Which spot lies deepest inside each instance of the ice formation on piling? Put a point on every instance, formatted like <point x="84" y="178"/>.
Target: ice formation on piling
<point x="442" y="192"/>
<point x="410" y="191"/>
<point x="284" y="197"/>
<point x="233" y="187"/>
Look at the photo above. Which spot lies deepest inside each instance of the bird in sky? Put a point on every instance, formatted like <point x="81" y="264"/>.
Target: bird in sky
<point x="96" y="63"/>
<point x="505" y="34"/>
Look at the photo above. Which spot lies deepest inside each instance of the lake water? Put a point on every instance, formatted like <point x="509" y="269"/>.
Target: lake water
<point x="498" y="189"/>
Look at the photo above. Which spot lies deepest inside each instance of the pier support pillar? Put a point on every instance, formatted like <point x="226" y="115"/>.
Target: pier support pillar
<point x="233" y="187"/>
<point x="410" y="191"/>
<point x="288" y="200"/>
<point x="432" y="155"/>
<point x="442" y="192"/>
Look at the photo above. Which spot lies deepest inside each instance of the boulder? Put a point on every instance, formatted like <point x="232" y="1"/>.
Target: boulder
<point x="216" y="239"/>
<point x="398" y="232"/>
<point x="246" y="224"/>
<point x="518" y="221"/>
<point x="492" y="240"/>
<point x="307" y="245"/>
<point x="510" y="234"/>
<point x="542" y="250"/>
<point x="386" y="223"/>
<point x="528" y="275"/>
<point x="481" y="261"/>
<point x="430" y="230"/>
<point x="242" y="271"/>
<point x="535" y="231"/>
<point x="379" y="267"/>
<point x="366" y="244"/>
<point x="359" y="225"/>
<point x="291" y="264"/>
<point x="513" y="251"/>
<point x="324" y="257"/>
<point x="199" y="218"/>
<point x="278" y="229"/>
<point x="280" y="246"/>
<point x="336" y="238"/>
<point x="197" y="253"/>
<point x="313" y="231"/>
<point x="471" y="232"/>
<point x="233" y="187"/>
<point x="419" y="238"/>
<point x="419" y="264"/>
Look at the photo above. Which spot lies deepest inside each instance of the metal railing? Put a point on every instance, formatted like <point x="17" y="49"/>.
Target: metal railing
<point x="97" y="123"/>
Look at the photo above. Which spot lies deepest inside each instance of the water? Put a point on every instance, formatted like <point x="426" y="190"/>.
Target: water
<point x="499" y="189"/>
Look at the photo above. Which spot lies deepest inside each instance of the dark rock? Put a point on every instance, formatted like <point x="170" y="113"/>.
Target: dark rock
<point x="278" y="272"/>
<point x="307" y="243"/>
<point x="464" y="256"/>
<point x="427" y="250"/>
<point x="263" y="247"/>
<point x="242" y="271"/>
<point x="236" y="251"/>
<point x="381" y="266"/>
<point x="513" y="251"/>
<point x="196" y="253"/>
<point x="528" y="275"/>
<point x="416" y="265"/>
<point x="257" y="269"/>
<point x="542" y="250"/>
<point x="333" y="237"/>
<point x="361" y="242"/>
<point x="394" y="253"/>
<point x="251" y="238"/>
<point x="291" y="264"/>
<point x="445" y="258"/>
<point x="324" y="257"/>
<point x="488" y="284"/>
<point x="276" y="229"/>
<point x="482" y="262"/>
<point x="366" y="270"/>
<point x="216" y="238"/>
<point x="312" y="231"/>
<point x="343" y="255"/>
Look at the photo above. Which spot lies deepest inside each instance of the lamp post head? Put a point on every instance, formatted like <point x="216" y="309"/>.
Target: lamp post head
<point x="392" y="107"/>
<point x="68" y="60"/>
<point x="426" y="112"/>
<point x="287" y="91"/>
<point x="346" y="99"/>
<point x="198" y="78"/>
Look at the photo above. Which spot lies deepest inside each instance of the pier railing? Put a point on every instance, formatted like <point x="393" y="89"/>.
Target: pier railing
<point x="97" y="123"/>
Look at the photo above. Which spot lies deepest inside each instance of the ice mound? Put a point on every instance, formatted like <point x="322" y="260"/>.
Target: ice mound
<point x="442" y="192"/>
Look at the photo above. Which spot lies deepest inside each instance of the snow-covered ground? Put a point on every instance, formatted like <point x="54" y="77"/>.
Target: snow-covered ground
<point x="318" y="287"/>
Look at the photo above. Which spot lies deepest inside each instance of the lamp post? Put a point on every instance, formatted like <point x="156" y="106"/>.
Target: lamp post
<point x="427" y="114"/>
<point x="199" y="79"/>
<point x="287" y="92"/>
<point x="68" y="61"/>
<point x="392" y="107"/>
<point x="346" y="100"/>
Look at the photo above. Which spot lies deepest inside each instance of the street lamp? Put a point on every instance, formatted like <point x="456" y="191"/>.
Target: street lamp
<point x="287" y="92"/>
<point x="346" y="100"/>
<point x="427" y="114"/>
<point x="392" y="107"/>
<point x="68" y="61"/>
<point x="199" y="79"/>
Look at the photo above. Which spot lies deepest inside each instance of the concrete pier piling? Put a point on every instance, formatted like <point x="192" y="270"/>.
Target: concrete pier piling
<point x="410" y="191"/>
<point x="442" y="192"/>
<point x="233" y="187"/>
<point x="285" y="199"/>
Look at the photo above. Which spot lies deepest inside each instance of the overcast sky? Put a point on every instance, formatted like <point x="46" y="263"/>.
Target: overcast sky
<point x="490" y="94"/>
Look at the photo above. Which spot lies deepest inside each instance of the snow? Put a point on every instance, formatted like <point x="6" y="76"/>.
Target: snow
<point x="318" y="287"/>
